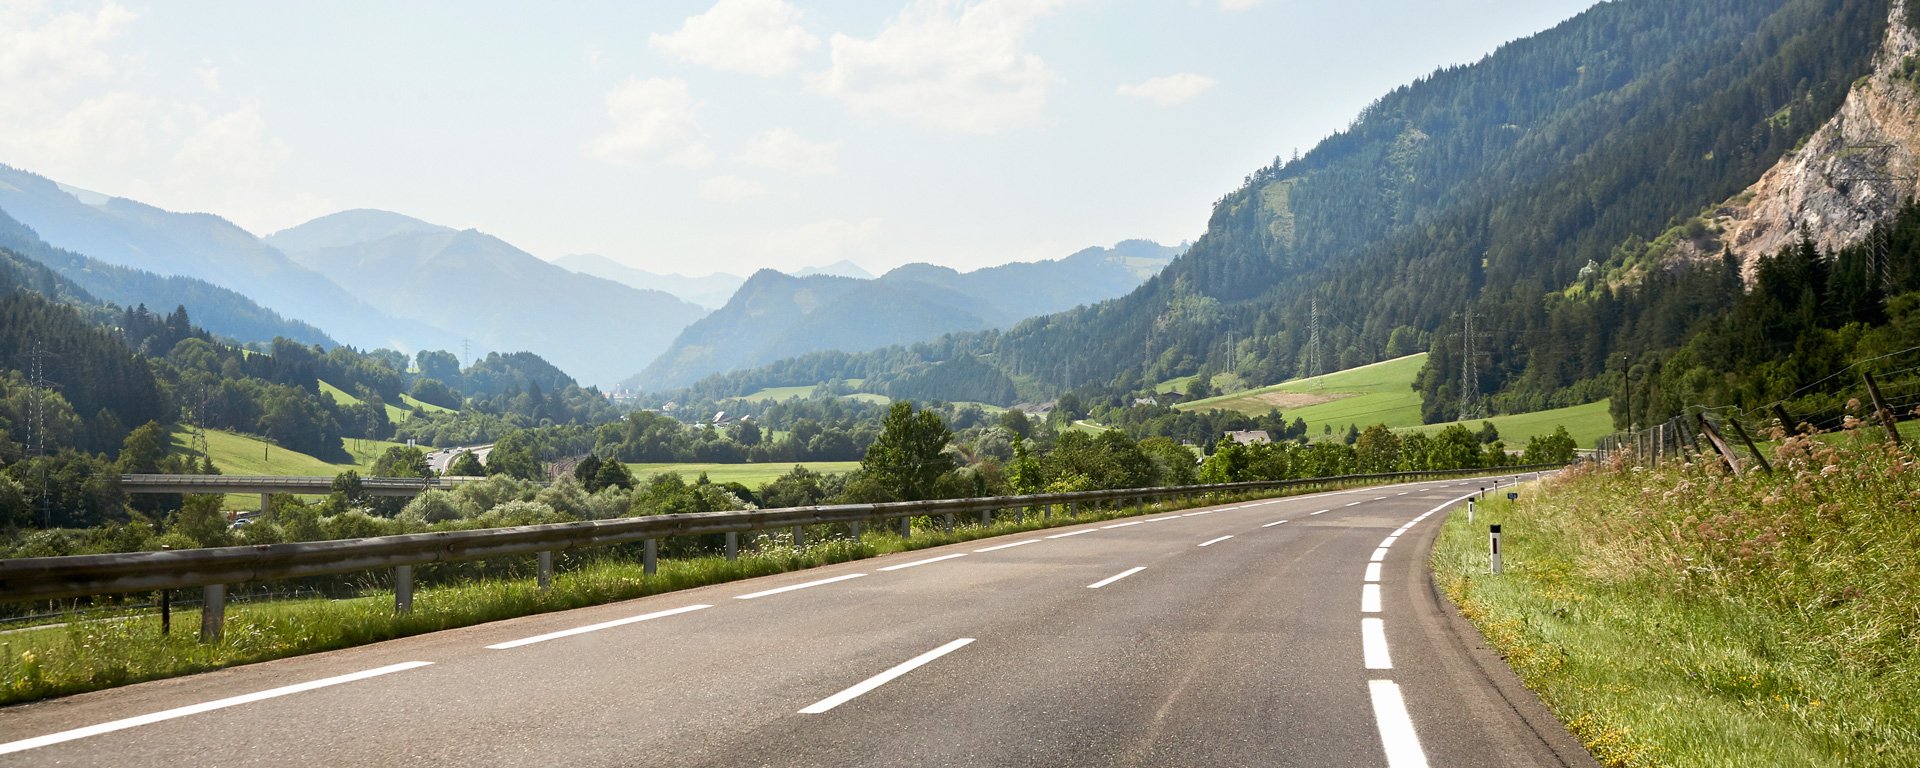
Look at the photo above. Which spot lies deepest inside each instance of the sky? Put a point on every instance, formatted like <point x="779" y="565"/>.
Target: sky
<point x="694" y="136"/>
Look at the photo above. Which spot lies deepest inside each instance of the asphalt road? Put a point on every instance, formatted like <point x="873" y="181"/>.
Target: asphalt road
<point x="1215" y="637"/>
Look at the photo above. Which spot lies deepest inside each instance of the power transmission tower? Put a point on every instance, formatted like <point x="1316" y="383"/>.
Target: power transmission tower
<point x="1469" y="374"/>
<point x="1877" y="159"/>
<point x="37" y="431"/>
<point x="1316" y="362"/>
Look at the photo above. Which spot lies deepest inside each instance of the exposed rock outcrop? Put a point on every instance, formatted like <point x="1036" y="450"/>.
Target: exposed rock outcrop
<point x="1854" y="171"/>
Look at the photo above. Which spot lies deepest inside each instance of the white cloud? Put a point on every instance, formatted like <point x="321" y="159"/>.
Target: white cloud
<point x="730" y="189"/>
<point x="77" y="112"/>
<point x="1237" y="5"/>
<point x="695" y="156"/>
<point x="1167" y="91"/>
<point x="649" y="117"/>
<point x="820" y="242"/>
<point x="947" y="65"/>
<point x="781" y="149"/>
<point x="753" y="37"/>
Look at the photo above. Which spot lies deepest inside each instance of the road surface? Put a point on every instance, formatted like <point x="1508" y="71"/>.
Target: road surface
<point x="1292" y="632"/>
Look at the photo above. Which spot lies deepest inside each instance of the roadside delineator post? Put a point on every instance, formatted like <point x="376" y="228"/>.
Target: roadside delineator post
<point x="1469" y="511"/>
<point x="1493" y="542"/>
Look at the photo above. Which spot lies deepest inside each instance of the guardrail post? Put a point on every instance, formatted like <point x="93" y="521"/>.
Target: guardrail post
<point x="546" y="571"/>
<point x="213" y="612"/>
<point x="733" y="542"/>
<point x="949" y="522"/>
<point x="799" y="536"/>
<point x="650" y="557"/>
<point x="1046" y="513"/>
<point x="986" y="517"/>
<point x="906" y="526"/>
<point x="402" y="588"/>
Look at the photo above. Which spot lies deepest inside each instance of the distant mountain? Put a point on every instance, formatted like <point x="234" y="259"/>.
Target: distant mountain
<point x="480" y="287"/>
<point x="710" y="291"/>
<point x="774" y="315"/>
<point x="841" y="268"/>
<point x="216" y="309"/>
<point x="130" y="234"/>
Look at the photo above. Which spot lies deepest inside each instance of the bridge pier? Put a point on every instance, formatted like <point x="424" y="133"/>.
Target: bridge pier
<point x="266" y="502"/>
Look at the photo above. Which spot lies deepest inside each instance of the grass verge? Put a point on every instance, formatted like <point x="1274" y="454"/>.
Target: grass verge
<point x="1682" y="617"/>
<point x="101" y="653"/>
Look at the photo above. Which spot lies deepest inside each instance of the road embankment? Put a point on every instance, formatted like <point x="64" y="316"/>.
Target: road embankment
<point x="1678" y="615"/>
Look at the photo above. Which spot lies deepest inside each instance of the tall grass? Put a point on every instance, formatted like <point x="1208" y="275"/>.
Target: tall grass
<point x="1682" y="616"/>
<point x="100" y="653"/>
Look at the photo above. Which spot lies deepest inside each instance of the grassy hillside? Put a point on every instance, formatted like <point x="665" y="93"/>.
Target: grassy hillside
<point x="1587" y="423"/>
<point x="236" y="454"/>
<point x="395" y="414"/>
<point x="1383" y="393"/>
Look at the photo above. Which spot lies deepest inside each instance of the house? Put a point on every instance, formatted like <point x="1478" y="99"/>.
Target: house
<point x="1249" y="437"/>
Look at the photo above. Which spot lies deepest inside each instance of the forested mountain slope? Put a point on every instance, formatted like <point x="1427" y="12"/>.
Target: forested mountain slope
<point x="1490" y="184"/>
<point x="216" y="309"/>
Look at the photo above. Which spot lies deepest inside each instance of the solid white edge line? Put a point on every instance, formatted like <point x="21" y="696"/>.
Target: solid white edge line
<point x="1378" y="555"/>
<point x="883" y="678"/>
<point x="1116" y="577"/>
<point x="1370" y="598"/>
<point x="1122" y="525"/>
<point x="1373" y="644"/>
<point x="1004" y="546"/>
<point x="1071" y="533"/>
<point x="194" y="709"/>
<point x="1216" y="541"/>
<point x="595" y="627"/>
<point x="923" y="562"/>
<point x="1373" y="572"/>
<point x="792" y="587"/>
<point x="1272" y="524"/>
<point x="1396" y="726"/>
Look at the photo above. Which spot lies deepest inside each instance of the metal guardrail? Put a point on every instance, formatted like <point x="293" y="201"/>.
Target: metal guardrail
<point x="269" y="484"/>
<point x="49" y="578"/>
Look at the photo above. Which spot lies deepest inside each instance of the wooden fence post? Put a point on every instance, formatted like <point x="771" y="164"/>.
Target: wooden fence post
<point x="1886" y="414"/>
<point x="1742" y="432"/>
<point x="1713" y="436"/>
<point x="1786" y="422"/>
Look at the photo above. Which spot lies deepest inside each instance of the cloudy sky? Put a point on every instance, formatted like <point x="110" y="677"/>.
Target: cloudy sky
<point x="699" y="135"/>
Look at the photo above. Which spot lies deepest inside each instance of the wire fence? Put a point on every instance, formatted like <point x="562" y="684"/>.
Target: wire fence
<point x="1739" y="437"/>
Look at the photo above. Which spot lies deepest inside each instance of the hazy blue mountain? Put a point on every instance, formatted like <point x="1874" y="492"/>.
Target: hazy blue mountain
<point x="774" y="316"/>
<point x="841" y="268"/>
<point x="131" y="234"/>
<point x="216" y="309"/>
<point x="482" y="288"/>
<point x="710" y="291"/>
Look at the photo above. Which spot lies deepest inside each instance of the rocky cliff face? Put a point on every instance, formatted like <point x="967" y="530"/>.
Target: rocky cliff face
<point x="1852" y="173"/>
